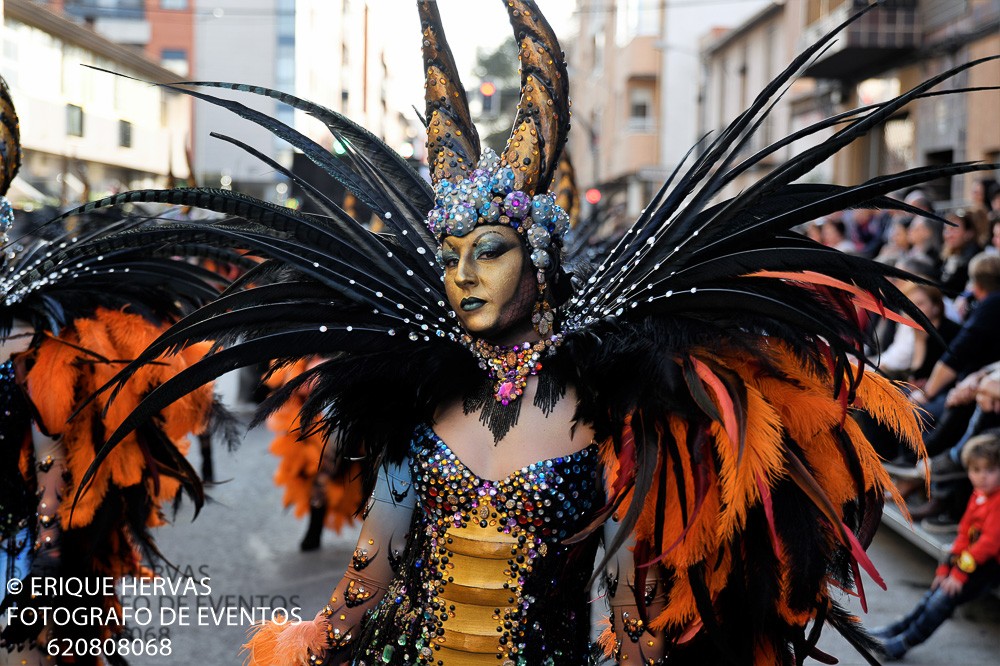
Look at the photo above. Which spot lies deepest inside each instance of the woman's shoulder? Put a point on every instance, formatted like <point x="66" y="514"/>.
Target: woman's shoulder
<point x="16" y="341"/>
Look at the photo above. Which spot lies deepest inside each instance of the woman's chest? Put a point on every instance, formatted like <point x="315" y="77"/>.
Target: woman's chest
<point x="550" y="498"/>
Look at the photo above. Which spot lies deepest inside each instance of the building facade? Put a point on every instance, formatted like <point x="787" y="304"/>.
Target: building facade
<point x="328" y="51"/>
<point x="897" y="47"/>
<point x="634" y="67"/>
<point x="885" y="52"/>
<point x="737" y="63"/>
<point x="86" y="133"/>
<point x="615" y="78"/>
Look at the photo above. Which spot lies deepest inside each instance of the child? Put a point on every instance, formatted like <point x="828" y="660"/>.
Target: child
<point x="975" y="555"/>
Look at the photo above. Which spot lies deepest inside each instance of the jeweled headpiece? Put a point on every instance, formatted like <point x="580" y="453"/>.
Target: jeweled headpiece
<point x="487" y="196"/>
<point x="474" y="187"/>
<point x="10" y="153"/>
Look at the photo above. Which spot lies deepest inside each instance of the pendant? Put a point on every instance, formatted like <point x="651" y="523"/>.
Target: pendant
<point x="510" y="367"/>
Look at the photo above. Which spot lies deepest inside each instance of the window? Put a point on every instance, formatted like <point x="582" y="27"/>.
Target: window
<point x="640" y="110"/>
<point x="176" y="60"/>
<point x="939" y="189"/>
<point x="173" y="4"/>
<point x="74" y="120"/>
<point x="124" y="134"/>
<point x="636" y="18"/>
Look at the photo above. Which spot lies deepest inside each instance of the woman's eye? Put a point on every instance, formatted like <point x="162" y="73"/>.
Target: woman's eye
<point x="449" y="260"/>
<point x="489" y="252"/>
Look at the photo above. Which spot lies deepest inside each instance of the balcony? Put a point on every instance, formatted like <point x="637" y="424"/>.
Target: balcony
<point x="106" y="9"/>
<point x="869" y="44"/>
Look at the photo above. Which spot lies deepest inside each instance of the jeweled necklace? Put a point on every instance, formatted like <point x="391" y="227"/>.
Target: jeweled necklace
<point x="510" y="366"/>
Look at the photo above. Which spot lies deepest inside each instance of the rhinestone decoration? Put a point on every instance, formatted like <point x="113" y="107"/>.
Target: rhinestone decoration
<point x="510" y="367"/>
<point x="487" y="196"/>
<point x="524" y="599"/>
<point x="6" y="219"/>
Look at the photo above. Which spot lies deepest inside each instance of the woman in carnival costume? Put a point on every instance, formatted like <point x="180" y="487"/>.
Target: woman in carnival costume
<point x="307" y="467"/>
<point x="686" y="400"/>
<point x="73" y="312"/>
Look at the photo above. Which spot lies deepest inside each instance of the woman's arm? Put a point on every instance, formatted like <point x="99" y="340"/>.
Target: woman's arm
<point x="330" y="635"/>
<point x="634" y="641"/>
<point x="50" y="460"/>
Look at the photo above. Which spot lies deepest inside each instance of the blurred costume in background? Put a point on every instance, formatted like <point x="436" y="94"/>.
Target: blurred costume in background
<point x="68" y="324"/>
<point x="307" y="466"/>
<point x="716" y="355"/>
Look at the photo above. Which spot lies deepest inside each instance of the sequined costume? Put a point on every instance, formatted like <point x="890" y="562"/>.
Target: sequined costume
<point x="486" y="566"/>
<point x="17" y="480"/>
<point x="716" y="355"/>
<point x="66" y="327"/>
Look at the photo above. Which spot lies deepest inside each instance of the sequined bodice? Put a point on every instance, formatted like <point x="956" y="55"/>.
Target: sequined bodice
<point x="489" y="579"/>
<point x="16" y="494"/>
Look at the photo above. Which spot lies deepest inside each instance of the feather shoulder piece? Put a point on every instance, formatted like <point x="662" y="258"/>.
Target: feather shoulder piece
<point x="721" y="355"/>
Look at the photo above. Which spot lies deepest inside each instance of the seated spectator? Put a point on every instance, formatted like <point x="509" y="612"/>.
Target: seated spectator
<point x="883" y="330"/>
<point x="913" y="353"/>
<point x="833" y="234"/>
<point x="974" y="565"/>
<point x="910" y="357"/>
<point x="985" y="203"/>
<point x="994" y="246"/>
<point x="897" y="243"/>
<point x="924" y="245"/>
<point x="960" y="246"/>
<point x="866" y="228"/>
<point x="981" y="391"/>
<point x="812" y="231"/>
<point x="975" y="346"/>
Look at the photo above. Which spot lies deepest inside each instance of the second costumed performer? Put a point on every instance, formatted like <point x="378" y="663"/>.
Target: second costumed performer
<point x="686" y="401"/>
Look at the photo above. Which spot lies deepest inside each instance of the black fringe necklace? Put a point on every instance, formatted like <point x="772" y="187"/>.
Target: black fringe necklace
<point x="508" y="368"/>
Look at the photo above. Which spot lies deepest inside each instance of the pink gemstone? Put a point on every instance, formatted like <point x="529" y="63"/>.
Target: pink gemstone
<point x="505" y="391"/>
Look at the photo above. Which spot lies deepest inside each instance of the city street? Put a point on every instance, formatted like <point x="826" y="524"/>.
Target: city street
<point x="248" y="546"/>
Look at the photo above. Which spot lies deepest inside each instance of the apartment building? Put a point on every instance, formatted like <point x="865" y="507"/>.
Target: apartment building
<point x="737" y="64"/>
<point x="327" y="51"/>
<point x="615" y="74"/>
<point x="86" y="133"/>
<point x="888" y="50"/>
<point x="634" y="68"/>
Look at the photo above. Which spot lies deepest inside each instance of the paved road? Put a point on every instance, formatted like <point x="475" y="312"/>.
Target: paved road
<point x="248" y="547"/>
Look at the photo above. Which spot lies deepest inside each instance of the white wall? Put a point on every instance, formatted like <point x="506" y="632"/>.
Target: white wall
<point x="235" y="41"/>
<point x="685" y="25"/>
<point x="46" y="74"/>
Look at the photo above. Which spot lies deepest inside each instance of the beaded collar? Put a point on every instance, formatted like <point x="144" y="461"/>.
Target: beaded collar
<point x="510" y="366"/>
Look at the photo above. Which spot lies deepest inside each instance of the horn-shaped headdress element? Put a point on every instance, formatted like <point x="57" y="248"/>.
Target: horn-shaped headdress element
<point x="472" y="188"/>
<point x="10" y="152"/>
<point x="542" y="120"/>
<point x="452" y="140"/>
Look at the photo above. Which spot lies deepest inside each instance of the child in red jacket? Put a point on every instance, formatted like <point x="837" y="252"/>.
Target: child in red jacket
<point x="974" y="565"/>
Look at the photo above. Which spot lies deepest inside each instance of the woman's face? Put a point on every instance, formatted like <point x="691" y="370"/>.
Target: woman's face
<point x="955" y="237"/>
<point x="898" y="236"/>
<point x="489" y="282"/>
<point x="919" y="233"/>
<point x="996" y="235"/>
<point x="926" y="305"/>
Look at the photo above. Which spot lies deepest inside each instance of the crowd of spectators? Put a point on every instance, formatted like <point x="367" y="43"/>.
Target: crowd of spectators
<point x="953" y="377"/>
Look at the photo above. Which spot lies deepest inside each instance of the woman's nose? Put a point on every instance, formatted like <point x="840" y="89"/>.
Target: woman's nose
<point x="465" y="272"/>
